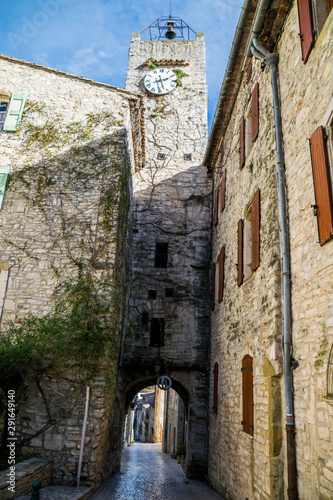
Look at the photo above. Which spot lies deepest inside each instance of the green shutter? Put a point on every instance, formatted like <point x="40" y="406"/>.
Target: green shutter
<point x="3" y="180"/>
<point x="14" y="112"/>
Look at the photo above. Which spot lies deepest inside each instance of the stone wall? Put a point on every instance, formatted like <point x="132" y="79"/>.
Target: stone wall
<point x="171" y="204"/>
<point x="306" y="97"/>
<point x="248" y="319"/>
<point x="66" y="207"/>
<point x="26" y="473"/>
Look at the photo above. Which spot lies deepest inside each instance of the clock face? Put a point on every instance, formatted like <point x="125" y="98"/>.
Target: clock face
<point x="160" y="81"/>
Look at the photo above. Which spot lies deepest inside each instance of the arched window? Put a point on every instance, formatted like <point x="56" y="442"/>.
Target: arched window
<point x="330" y="375"/>
<point x="247" y="380"/>
<point x="215" y="387"/>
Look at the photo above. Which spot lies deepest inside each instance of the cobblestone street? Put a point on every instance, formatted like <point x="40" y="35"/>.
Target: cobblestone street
<point x="149" y="474"/>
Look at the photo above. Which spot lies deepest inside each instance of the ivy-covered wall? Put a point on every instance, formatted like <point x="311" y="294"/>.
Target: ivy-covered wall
<point x="64" y="240"/>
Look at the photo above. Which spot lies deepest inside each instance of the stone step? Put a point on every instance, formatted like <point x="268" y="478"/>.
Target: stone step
<point x="62" y="493"/>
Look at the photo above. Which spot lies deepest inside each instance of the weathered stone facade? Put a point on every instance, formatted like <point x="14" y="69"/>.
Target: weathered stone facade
<point x="247" y="319"/>
<point x="75" y="136"/>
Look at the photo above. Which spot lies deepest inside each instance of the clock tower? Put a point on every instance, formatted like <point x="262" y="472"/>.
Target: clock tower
<point x="169" y="300"/>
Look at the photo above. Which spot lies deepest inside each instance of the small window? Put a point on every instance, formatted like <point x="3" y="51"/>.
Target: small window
<point x="3" y="111"/>
<point x="321" y="10"/>
<point x="247" y="390"/>
<point x="161" y="255"/>
<point x="249" y="240"/>
<point x="157" y="332"/>
<point x="221" y="275"/>
<point x="151" y="294"/>
<point x="169" y="292"/>
<point x="161" y="156"/>
<point x="215" y="387"/>
<point x="188" y="156"/>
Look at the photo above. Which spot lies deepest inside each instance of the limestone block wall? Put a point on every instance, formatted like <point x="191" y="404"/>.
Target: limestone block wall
<point x="306" y="97"/>
<point x="247" y="321"/>
<point x="66" y="206"/>
<point x="171" y="204"/>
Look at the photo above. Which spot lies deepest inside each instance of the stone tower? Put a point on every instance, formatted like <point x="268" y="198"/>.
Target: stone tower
<point x="169" y="299"/>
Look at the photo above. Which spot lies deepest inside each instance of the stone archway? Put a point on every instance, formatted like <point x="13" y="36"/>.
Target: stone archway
<point x="192" y="388"/>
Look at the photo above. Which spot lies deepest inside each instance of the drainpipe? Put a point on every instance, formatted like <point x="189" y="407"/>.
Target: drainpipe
<point x="272" y="61"/>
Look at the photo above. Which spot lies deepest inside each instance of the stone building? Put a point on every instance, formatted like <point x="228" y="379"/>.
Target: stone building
<point x="272" y="257"/>
<point x="86" y="162"/>
<point x="67" y="150"/>
<point x="169" y="293"/>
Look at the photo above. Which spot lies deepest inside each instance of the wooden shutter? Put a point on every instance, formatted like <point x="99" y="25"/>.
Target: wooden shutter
<point x="221" y="274"/>
<point x="14" y="112"/>
<point x="216" y="212"/>
<point x="3" y="181"/>
<point x="223" y="190"/>
<point x="255" y="228"/>
<point x="305" y="27"/>
<point x="322" y="185"/>
<point x="215" y="387"/>
<point x="330" y="5"/>
<point x="247" y="380"/>
<point x="213" y="285"/>
<point x="242" y="143"/>
<point x="240" y="252"/>
<point x="255" y="112"/>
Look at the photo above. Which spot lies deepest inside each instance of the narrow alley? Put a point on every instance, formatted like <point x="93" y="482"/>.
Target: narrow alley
<point x="149" y="474"/>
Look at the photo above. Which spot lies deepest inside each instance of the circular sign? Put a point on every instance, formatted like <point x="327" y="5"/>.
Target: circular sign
<point x="164" y="383"/>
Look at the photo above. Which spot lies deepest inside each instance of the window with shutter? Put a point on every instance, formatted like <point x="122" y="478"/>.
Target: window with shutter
<point x="322" y="186"/>
<point x="14" y="112"/>
<point x="255" y="230"/>
<point x="305" y="27"/>
<point x="221" y="274"/>
<point x="240" y="252"/>
<point x="213" y="285"/>
<point x="255" y="112"/>
<point x="216" y="211"/>
<point x="3" y="111"/>
<point x="242" y="143"/>
<point x="215" y="387"/>
<point x="4" y="170"/>
<point x="247" y="389"/>
<point x="223" y="181"/>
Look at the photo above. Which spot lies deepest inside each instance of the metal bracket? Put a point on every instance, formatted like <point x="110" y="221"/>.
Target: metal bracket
<point x="315" y="208"/>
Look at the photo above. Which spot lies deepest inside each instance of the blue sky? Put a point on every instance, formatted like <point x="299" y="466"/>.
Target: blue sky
<point x="91" y="38"/>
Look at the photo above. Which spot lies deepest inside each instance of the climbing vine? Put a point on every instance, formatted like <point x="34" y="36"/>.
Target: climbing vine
<point x="76" y="185"/>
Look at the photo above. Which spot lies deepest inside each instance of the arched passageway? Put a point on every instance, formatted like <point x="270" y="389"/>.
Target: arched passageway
<point x="191" y="389"/>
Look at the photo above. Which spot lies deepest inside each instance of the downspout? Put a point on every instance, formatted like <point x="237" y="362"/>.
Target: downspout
<point x="272" y="61"/>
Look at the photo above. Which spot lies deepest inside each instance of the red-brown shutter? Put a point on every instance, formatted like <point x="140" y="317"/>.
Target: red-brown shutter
<point x="213" y="285"/>
<point x="322" y="185"/>
<point x="216" y="216"/>
<point x="242" y="143"/>
<point x="255" y="112"/>
<point x="330" y="5"/>
<point x="305" y="27"/>
<point x="247" y="380"/>
<point x="223" y="190"/>
<point x="215" y="387"/>
<point x="240" y="252"/>
<point x="221" y="274"/>
<point x="255" y="227"/>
